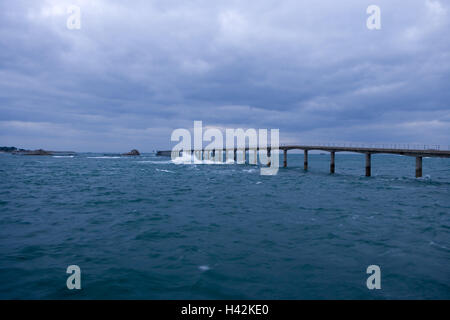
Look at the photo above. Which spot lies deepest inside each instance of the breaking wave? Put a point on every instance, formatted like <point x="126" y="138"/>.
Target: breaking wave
<point x="192" y="159"/>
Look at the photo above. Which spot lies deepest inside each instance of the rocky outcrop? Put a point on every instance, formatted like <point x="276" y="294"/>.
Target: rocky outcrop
<point x="133" y="152"/>
<point x="9" y="149"/>
<point x="39" y="152"/>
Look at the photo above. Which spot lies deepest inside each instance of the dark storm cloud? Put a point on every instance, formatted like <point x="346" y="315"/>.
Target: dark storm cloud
<point x="137" y="70"/>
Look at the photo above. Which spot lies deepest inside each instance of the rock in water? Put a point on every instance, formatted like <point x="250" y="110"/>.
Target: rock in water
<point x="133" y="152"/>
<point x="39" y="152"/>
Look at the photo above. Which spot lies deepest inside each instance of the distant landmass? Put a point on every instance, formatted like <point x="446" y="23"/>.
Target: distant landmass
<point x="10" y="149"/>
<point x="42" y="152"/>
<point x="133" y="152"/>
<point x="38" y="152"/>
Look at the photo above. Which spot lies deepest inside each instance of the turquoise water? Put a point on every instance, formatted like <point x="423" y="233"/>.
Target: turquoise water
<point x="143" y="227"/>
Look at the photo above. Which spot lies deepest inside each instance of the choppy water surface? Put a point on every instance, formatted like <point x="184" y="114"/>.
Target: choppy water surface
<point x="144" y="227"/>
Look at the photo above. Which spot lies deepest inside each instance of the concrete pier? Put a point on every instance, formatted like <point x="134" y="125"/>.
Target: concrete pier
<point x="416" y="153"/>
<point x="418" y="167"/>
<point x="368" y="164"/>
<point x="305" y="161"/>
<point x="332" y="167"/>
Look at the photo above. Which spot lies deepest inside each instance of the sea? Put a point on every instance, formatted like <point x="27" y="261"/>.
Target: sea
<point x="148" y="227"/>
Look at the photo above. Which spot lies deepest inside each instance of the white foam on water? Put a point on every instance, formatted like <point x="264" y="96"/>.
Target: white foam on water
<point x="163" y="170"/>
<point x="62" y="156"/>
<point x="186" y="159"/>
<point x="229" y="161"/>
<point x="192" y="159"/>
<point x="154" y="162"/>
<point x="432" y="243"/>
<point x="104" y="157"/>
<point x="204" y="268"/>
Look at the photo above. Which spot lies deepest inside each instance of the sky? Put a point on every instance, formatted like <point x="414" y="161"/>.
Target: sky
<point x="137" y="70"/>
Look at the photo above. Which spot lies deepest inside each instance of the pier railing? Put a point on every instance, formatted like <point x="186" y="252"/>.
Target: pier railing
<point x="406" y="146"/>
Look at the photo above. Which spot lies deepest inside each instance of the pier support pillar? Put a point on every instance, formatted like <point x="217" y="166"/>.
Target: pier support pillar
<point x="332" y="166"/>
<point x="418" y="167"/>
<point x="368" y="164"/>
<point x="305" y="161"/>
<point x="227" y="154"/>
<point x="235" y="155"/>
<point x="285" y="158"/>
<point x="255" y="154"/>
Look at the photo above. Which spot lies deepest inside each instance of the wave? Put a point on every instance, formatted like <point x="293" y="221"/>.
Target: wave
<point x="62" y="156"/>
<point x="192" y="159"/>
<point x="229" y="161"/>
<point x="154" y="162"/>
<point x="105" y="157"/>
<point x="163" y="170"/>
<point x="204" y="268"/>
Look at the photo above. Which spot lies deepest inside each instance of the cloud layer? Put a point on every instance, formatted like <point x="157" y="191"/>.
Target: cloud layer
<point x="136" y="70"/>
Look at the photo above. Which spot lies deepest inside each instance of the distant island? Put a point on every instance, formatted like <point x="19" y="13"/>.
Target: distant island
<point x="38" y="152"/>
<point x="42" y="152"/>
<point x="133" y="152"/>
<point x="10" y="149"/>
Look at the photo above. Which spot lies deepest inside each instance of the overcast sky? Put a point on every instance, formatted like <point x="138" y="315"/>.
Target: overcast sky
<point x="136" y="70"/>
